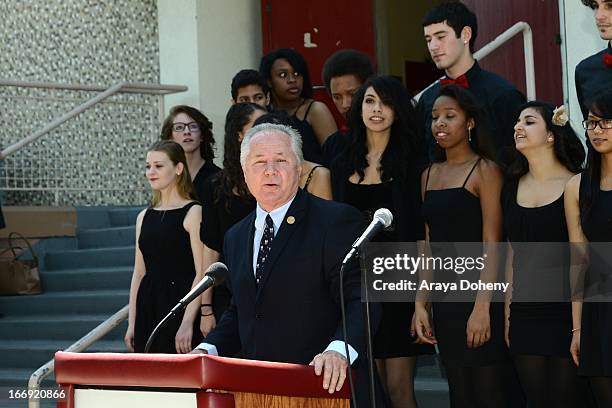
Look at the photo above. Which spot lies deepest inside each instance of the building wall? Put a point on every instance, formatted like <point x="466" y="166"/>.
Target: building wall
<point x="97" y="157"/>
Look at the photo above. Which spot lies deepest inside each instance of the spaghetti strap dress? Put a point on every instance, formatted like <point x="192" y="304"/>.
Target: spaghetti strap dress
<point x="310" y="146"/>
<point x="455" y="215"/>
<point x="538" y="328"/>
<point x="166" y="249"/>
<point x="596" y="327"/>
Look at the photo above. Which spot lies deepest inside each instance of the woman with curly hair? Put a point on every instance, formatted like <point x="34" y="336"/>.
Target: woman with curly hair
<point x="538" y="323"/>
<point x="191" y="129"/>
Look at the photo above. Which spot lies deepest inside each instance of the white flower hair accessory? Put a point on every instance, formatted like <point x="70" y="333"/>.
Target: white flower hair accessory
<point x="560" y="116"/>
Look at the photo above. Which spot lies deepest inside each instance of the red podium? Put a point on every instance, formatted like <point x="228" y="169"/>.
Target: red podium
<point x="115" y="380"/>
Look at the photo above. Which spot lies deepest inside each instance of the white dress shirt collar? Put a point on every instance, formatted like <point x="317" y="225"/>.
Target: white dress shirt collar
<point x="277" y="215"/>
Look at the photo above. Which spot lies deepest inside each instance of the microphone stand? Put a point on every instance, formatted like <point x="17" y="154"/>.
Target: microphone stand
<point x="368" y="330"/>
<point x="159" y="326"/>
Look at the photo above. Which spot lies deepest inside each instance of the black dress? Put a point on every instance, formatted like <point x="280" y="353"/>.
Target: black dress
<point x="455" y="215"/>
<point x="596" y="327"/>
<point x="310" y="145"/>
<point x="393" y="337"/>
<point x="538" y="328"/>
<point x="208" y="169"/>
<point x="219" y="213"/>
<point x="166" y="250"/>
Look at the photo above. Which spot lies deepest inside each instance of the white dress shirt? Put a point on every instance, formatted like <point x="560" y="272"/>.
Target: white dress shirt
<point x="278" y="216"/>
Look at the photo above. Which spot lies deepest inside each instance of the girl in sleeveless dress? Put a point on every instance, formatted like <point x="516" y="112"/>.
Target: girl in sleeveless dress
<point x="191" y="129"/>
<point x="168" y="260"/>
<point x="588" y="211"/>
<point x="461" y="203"/>
<point x="287" y="74"/>
<point x="548" y="153"/>
<point x="380" y="169"/>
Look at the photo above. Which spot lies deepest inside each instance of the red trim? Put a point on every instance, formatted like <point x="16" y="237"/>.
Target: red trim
<point x="191" y="371"/>
<point x="68" y="400"/>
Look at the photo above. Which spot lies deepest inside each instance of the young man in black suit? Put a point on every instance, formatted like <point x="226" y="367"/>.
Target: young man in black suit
<point x="594" y="73"/>
<point x="450" y="31"/>
<point x="284" y="262"/>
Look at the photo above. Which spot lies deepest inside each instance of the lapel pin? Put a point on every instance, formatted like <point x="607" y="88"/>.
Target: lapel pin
<point x="290" y="220"/>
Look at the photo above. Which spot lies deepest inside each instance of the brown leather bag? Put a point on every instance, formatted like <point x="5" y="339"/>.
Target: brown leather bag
<point x="19" y="276"/>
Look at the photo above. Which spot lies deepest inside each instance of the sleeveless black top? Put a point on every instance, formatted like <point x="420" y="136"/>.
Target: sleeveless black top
<point x="310" y="146"/>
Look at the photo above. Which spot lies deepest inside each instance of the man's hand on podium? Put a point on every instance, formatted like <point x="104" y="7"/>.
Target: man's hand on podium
<point x="334" y="366"/>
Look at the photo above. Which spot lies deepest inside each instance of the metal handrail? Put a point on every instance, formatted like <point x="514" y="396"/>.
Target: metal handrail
<point x="520" y="27"/>
<point x="82" y="344"/>
<point x="127" y="87"/>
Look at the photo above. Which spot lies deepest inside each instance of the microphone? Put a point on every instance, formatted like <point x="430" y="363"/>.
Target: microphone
<point x="382" y="219"/>
<point x="214" y="275"/>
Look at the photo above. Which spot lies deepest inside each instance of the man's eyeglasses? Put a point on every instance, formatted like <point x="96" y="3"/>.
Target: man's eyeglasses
<point x="591" y="124"/>
<point x="180" y="127"/>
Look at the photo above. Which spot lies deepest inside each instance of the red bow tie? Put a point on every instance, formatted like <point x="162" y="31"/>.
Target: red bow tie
<point x="608" y="59"/>
<point x="460" y="80"/>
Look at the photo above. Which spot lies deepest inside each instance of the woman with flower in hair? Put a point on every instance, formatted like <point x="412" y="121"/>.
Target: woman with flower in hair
<point x="538" y="314"/>
<point x="588" y="211"/>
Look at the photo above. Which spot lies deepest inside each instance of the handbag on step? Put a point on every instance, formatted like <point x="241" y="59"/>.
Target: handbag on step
<point x="19" y="276"/>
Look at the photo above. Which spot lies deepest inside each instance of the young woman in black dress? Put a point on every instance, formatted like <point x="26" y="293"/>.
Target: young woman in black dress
<point x="191" y="129"/>
<point x="588" y="210"/>
<point x="225" y="201"/>
<point x="380" y="169"/>
<point x="461" y="203"/>
<point x="287" y="74"/>
<point x="548" y="153"/>
<point x="168" y="260"/>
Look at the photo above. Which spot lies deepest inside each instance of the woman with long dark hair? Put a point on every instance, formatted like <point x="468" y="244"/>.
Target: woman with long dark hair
<point x="548" y="153"/>
<point x="461" y="203"/>
<point x="380" y="168"/>
<point x="287" y="74"/>
<point x="191" y="129"/>
<point x="588" y="211"/>
<point x="168" y="259"/>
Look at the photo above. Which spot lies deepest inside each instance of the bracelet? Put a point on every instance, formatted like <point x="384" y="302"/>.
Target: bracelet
<point x="207" y="314"/>
<point x="577" y="329"/>
<point x="205" y="305"/>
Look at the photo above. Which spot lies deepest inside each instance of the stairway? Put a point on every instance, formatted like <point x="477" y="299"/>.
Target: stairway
<point x="85" y="280"/>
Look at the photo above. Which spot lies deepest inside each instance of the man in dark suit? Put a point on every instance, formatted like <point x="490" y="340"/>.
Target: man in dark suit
<point x="284" y="262"/>
<point x="594" y="73"/>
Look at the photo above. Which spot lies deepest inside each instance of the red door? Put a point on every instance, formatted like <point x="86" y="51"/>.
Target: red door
<point x="318" y="28"/>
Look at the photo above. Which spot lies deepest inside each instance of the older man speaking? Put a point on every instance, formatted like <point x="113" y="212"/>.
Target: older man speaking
<point x="284" y="268"/>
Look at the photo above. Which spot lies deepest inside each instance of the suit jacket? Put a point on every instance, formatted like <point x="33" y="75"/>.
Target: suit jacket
<point x="295" y="312"/>
<point x="592" y="76"/>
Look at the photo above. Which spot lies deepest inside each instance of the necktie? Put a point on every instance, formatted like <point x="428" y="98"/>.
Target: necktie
<point x="607" y="57"/>
<point x="265" y="245"/>
<point x="461" y="80"/>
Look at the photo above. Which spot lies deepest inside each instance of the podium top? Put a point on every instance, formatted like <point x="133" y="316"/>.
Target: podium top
<point x="191" y="371"/>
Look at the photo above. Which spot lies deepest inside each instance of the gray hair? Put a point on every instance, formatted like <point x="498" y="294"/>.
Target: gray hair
<point x="295" y="140"/>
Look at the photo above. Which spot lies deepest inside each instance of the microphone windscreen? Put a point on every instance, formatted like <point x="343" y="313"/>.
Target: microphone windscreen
<point x="385" y="216"/>
<point x="217" y="272"/>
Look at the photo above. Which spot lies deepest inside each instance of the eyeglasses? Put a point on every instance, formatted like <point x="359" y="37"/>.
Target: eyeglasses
<point x="180" y="127"/>
<point x="591" y="124"/>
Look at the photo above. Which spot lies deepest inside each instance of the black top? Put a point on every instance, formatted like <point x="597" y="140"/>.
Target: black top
<point x="219" y="212"/>
<point x="334" y="145"/>
<point x="208" y="169"/>
<point x="453" y="214"/>
<point x="310" y="145"/>
<point x="597" y="226"/>
<point x="540" y="271"/>
<point x="368" y="198"/>
<point x="592" y="76"/>
<point x="499" y="98"/>
<point x="405" y="205"/>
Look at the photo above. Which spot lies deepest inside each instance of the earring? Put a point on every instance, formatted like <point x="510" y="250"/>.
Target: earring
<point x="550" y="139"/>
<point x="469" y="134"/>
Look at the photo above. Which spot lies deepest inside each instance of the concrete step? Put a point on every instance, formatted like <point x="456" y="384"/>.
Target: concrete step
<point x="116" y="277"/>
<point x="431" y="392"/>
<point x="123" y="216"/>
<point x="38" y="352"/>
<point x="107" y="237"/>
<point x="57" y="327"/>
<point x="85" y="258"/>
<point x="56" y="303"/>
<point x="18" y="377"/>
